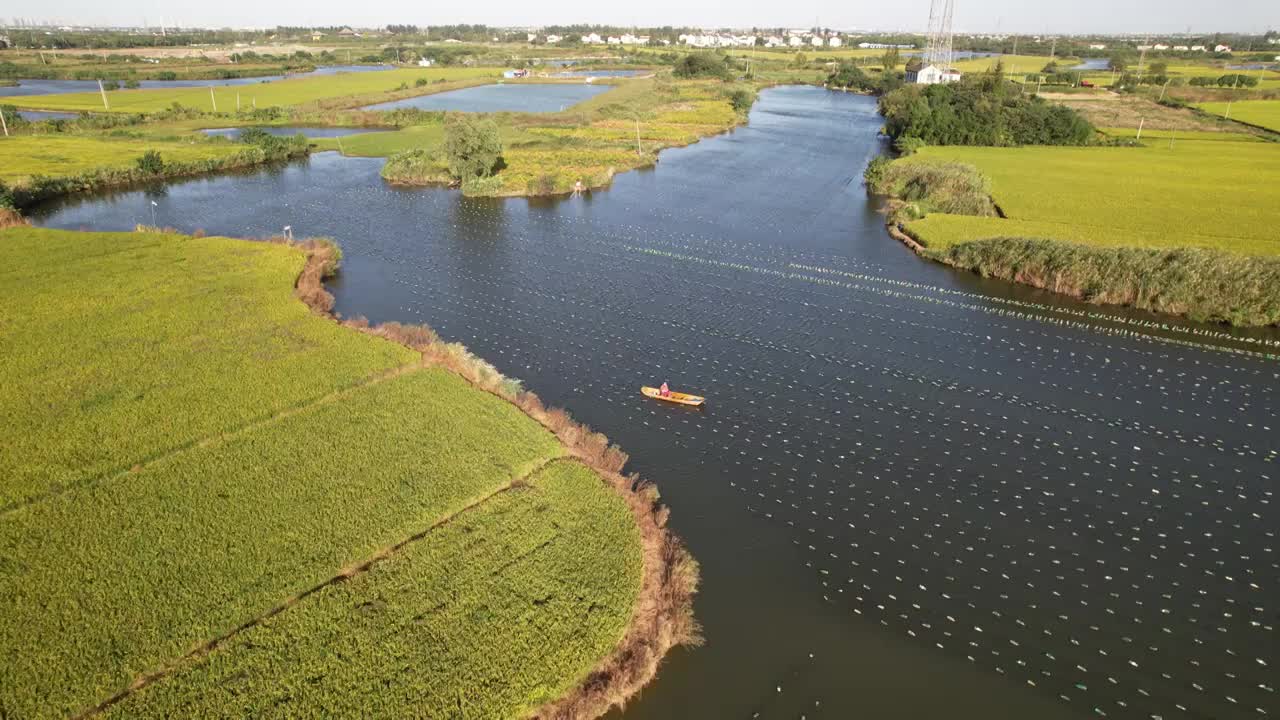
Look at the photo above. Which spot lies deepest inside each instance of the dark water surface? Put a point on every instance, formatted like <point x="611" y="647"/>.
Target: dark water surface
<point x="914" y="494"/>
<point x="501" y="97"/>
<point x="40" y="115"/>
<point x="54" y="87"/>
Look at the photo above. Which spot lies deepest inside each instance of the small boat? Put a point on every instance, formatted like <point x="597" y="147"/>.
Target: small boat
<point x="675" y="397"/>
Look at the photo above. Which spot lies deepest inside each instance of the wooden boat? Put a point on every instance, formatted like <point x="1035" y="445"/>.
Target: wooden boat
<point x="675" y="397"/>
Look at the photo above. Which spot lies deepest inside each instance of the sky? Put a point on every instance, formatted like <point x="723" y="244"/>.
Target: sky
<point x="1021" y="16"/>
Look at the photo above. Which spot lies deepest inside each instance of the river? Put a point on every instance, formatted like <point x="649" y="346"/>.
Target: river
<point x="913" y="493"/>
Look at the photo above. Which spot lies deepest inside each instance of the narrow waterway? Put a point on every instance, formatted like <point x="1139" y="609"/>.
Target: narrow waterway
<point x="913" y="493"/>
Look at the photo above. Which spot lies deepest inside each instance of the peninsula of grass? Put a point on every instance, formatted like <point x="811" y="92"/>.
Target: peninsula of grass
<point x="225" y="502"/>
<point x="550" y="153"/>
<point x="1181" y="225"/>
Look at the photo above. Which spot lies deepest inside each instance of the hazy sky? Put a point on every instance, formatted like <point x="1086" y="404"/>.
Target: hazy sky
<point x="970" y="15"/>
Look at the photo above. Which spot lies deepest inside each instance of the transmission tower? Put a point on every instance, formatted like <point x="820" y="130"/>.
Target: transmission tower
<point x="939" y="51"/>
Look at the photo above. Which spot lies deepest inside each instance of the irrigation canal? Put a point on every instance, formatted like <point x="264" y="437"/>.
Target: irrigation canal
<point x="914" y="493"/>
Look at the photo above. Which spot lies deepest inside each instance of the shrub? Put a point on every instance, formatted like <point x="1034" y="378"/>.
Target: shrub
<point x="110" y="85"/>
<point x="948" y="187"/>
<point x="151" y="163"/>
<point x="472" y="145"/>
<point x="544" y="184"/>
<point x="421" y="82"/>
<point x="741" y="100"/>
<point x="702" y="64"/>
<point x="132" y="84"/>
<point x="908" y="145"/>
<point x="167" y="75"/>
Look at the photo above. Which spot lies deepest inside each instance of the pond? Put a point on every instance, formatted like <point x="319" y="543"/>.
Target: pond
<point x="289" y="131"/>
<point x="602" y="73"/>
<point x="53" y="87"/>
<point x="1093" y="64"/>
<point x="38" y="115"/>
<point x="913" y="492"/>
<point x="502" y="97"/>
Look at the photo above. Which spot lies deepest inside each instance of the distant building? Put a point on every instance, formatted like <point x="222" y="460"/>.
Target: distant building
<point x="933" y="75"/>
<point x="1199" y="48"/>
<point x="1181" y="48"/>
<point x="1222" y="48"/>
<point x="426" y="62"/>
<point x="530" y="37"/>
<point x="816" y="41"/>
<point x="835" y="42"/>
<point x="592" y="39"/>
<point x="1098" y="46"/>
<point x="774" y="41"/>
<point x="511" y="74"/>
<point x="795" y="41"/>
<point x="348" y="32"/>
<point x="317" y="35"/>
<point x="1159" y="46"/>
<point x="883" y="46"/>
<point x="553" y="39"/>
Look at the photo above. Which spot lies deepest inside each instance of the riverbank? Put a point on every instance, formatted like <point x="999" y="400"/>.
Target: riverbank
<point x="1182" y="226"/>
<point x="405" y="476"/>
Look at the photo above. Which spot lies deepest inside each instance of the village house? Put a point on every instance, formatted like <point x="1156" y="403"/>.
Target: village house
<point x="933" y="75"/>
<point x="1159" y="46"/>
<point x="1198" y="48"/>
<point x="835" y="42"/>
<point x="1222" y="48"/>
<point x="1181" y="48"/>
<point x="1097" y="46"/>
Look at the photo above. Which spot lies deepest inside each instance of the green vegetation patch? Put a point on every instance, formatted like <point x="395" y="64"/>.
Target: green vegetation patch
<point x="109" y="341"/>
<point x="1263" y="113"/>
<point x="490" y="615"/>
<point x="23" y="156"/>
<point x="1224" y="195"/>
<point x="196" y="449"/>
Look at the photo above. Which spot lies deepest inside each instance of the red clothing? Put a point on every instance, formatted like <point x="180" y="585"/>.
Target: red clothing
<point x="664" y="390"/>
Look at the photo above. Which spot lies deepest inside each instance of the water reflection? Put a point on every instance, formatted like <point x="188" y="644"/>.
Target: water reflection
<point x="914" y="493"/>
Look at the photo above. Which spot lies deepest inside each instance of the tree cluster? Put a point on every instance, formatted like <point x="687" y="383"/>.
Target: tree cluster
<point x="986" y="110"/>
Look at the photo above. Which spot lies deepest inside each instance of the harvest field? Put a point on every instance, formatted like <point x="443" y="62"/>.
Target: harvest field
<point x="1212" y="194"/>
<point x="22" y="156"/>
<point x="282" y="93"/>
<point x="1263" y="113"/>
<point x="255" y="452"/>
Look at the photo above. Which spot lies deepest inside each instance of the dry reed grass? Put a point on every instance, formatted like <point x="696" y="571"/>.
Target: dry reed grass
<point x="11" y="218"/>
<point x="663" y="614"/>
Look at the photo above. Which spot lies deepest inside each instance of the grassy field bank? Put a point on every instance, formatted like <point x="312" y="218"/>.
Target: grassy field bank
<point x="217" y="486"/>
<point x="361" y="86"/>
<point x="1262" y="113"/>
<point x="1184" y="226"/>
<point x="23" y="156"/>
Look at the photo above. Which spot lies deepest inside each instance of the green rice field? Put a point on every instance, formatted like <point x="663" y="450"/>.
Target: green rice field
<point x="281" y="93"/>
<point x="1263" y="113"/>
<point x="1198" y="193"/>
<point x="195" y="449"/>
<point x="22" y="156"/>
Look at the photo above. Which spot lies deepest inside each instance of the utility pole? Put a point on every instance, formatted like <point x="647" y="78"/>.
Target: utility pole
<point x="638" y="152"/>
<point x="237" y="101"/>
<point x="4" y="124"/>
<point x="103" y="91"/>
<point x="213" y="99"/>
<point x="1141" y="122"/>
<point x="1163" y="89"/>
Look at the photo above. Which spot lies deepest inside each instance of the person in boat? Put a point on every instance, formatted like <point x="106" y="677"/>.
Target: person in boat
<point x="664" y="391"/>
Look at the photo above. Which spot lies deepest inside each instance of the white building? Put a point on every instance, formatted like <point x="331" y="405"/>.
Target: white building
<point x="426" y="62"/>
<point x="1097" y="46"/>
<point x="1181" y="48"/>
<point x="592" y="39"/>
<point x="774" y="41"/>
<point x="1160" y="46"/>
<point x="835" y="42"/>
<point x="530" y="37"/>
<point x="1222" y="48"/>
<point x="795" y="41"/>
<point x="553" y="39"/>
<point x="614" y="40"/>
<point x="932" y="75"/>
<point x="1199" y="48"/>
<point x="815" y="41"/>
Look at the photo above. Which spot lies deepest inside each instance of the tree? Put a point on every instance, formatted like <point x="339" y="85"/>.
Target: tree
<point x="471" y="145"/>
<point x="1158" y="68"/>
<point x="891" y="59"/>
<point x="1118" y="63"/>
<point x="800" y="60"/>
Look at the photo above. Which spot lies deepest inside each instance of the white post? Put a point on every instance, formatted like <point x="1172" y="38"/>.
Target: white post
<point x="1141" y="122"/>
<point x="638" y="152"/>
<point x="4" y="124"/>
<point x="103" y="91"/>
<point x="237" y="102"/>
<point x="1166" y="87"/>
<point x="213" y="100"/>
